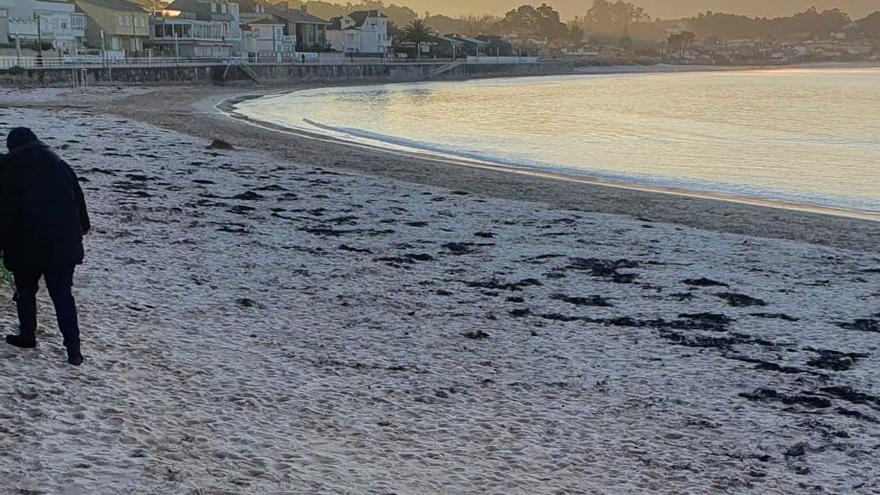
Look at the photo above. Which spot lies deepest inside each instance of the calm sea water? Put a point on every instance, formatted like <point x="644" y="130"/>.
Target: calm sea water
<point x="804" y="135"/>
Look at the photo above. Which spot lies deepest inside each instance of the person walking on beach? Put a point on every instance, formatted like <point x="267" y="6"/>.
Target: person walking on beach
<point x="43" y="218"/>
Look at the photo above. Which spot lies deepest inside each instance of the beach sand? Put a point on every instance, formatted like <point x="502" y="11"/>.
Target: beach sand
<point x="313" y="318"/>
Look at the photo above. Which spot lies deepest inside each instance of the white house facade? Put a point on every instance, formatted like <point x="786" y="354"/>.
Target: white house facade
<point x="266" y="40"/>
<point x="364" y="32"/>
<point x="56" y="23"/>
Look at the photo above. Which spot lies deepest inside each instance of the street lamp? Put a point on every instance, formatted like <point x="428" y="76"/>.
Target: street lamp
<point x="275" y="51"/>
<point x="133" y="34"/>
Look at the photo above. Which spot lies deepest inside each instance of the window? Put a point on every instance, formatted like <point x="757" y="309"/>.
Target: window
<point x="64" y="25"/>
<point x="223" y="7"/>
<point x="213" y="7"/>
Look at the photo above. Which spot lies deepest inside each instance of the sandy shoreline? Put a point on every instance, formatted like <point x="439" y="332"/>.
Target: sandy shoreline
<point x="312" y="318"/>
<point x="192" y="110"/>
<point x="667" y="68"/>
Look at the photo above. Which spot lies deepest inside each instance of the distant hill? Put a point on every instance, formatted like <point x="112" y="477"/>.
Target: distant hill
<point x="657" y="8"/>
<point x="870" y="25"/>
<point x="445" y="10"/>
<point x="761" y="8"/>
<point x="446" y="25"/>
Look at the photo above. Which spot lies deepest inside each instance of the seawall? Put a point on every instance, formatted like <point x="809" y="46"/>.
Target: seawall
<point x="271" y="73"/>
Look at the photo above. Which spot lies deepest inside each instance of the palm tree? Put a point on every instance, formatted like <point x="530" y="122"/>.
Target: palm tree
<point x="418" y="32"/>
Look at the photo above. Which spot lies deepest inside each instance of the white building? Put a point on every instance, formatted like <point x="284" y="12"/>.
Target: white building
<point x="57" y="23"/>
<point x="364" y="31"/>
<point x="265" y="40"/>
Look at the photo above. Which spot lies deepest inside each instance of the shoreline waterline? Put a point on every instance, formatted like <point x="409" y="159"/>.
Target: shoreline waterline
<point x="227" y="108"/>
<point x="194" y="112"/>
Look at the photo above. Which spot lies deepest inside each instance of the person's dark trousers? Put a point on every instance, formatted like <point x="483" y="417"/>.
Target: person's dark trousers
<point x="59" y="282"/>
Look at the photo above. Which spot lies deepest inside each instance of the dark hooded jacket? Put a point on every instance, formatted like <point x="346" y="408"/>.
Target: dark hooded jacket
<point x="43" y="214"/>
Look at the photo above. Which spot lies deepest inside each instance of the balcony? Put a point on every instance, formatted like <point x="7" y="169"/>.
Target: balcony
<point x="22" y="29"/>
<point x="186" y="30"/>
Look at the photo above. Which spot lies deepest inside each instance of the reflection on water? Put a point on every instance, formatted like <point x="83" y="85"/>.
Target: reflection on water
<point x="801" y="135"/>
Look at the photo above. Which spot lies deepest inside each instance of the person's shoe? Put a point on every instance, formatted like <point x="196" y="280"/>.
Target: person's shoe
<point x="22" y="342"/>
<point x="74" y="358"/>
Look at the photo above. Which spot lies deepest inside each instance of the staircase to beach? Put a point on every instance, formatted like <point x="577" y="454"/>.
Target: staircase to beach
<point x="445" y="68"/>
<point x="244" y="68"/>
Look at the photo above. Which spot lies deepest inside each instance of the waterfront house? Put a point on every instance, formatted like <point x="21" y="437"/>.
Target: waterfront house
<point x="435" y="46"/>
<point x="260" y="31"/>
<point x="464" y="46"/>
<point x="363" y="32"/>
<point x="440" y="46"/>
<point x="264" y="41"/>
<point x="198" y="29"/>
<point x="497" y="46"/>
<point x="25" y="23"/>
<point x="116" y="27"/>
<point x="447" y="46"/>
<point x="308" y="31"/>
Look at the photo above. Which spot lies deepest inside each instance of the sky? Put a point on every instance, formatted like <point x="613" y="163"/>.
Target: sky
<point x="657" y="8"/>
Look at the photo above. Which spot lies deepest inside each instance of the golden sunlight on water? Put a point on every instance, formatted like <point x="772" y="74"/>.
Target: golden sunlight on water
<point x="804" y="135"/>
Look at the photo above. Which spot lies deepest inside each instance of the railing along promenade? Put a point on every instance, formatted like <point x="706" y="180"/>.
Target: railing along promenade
<point x="89" y="62"/>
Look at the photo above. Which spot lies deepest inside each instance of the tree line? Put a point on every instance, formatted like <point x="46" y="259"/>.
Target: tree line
<point x="624" y="19"/>
<point x="809" y="23"/>
<point x="617" y="20"/>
